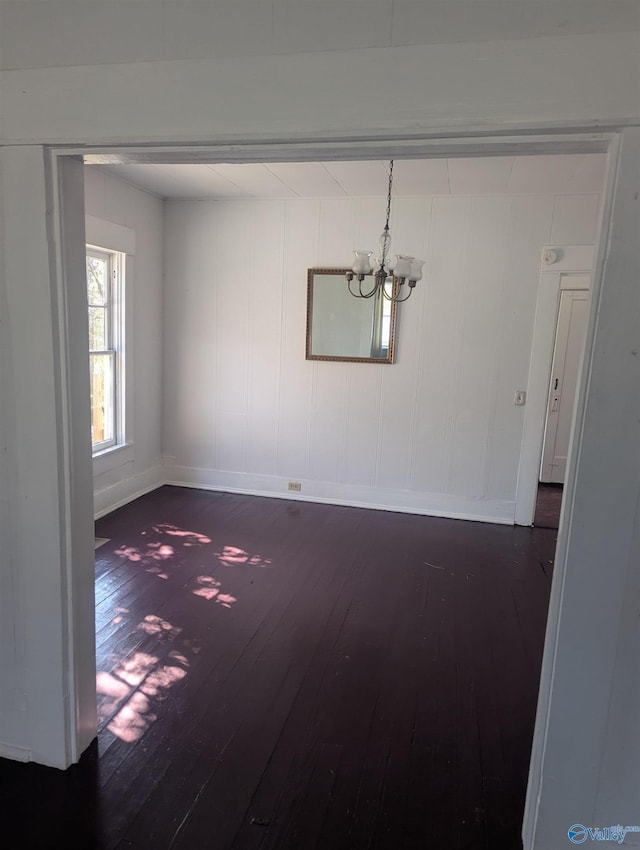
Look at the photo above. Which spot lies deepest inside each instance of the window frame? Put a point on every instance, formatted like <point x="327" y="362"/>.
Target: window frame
<point x="115" y="341"/>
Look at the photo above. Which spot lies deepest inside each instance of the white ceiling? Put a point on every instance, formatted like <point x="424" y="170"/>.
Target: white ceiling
<point x="556" y="173"/>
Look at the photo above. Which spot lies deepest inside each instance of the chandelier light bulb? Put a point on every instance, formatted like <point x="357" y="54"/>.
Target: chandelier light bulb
<point x="361" y="262"/>
<point x="402" y="268"/>
<point x="416" y="270"/>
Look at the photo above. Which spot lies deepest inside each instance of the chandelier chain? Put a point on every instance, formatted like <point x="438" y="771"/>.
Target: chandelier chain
<point x="386" y="227"/>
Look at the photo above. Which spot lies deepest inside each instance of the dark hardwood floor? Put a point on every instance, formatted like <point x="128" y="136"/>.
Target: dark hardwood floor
<point x="548" y="506"/>
<point x="277" y="675"/>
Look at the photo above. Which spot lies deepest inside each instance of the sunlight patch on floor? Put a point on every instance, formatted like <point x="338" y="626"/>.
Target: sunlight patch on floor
<point x="130" y="693"/>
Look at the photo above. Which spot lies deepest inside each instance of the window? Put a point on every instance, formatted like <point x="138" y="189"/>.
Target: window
<point x="105" y="291"/>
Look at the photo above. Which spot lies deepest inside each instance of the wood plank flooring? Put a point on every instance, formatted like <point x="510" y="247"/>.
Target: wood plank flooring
<point x="276" y="675"/>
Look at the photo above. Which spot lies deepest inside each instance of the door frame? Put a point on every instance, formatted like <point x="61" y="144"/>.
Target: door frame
<point x="79" y="649"/>
<point x="572" y="259"/>
<point x="565" y="286"/>
<point x="510" y="142"/>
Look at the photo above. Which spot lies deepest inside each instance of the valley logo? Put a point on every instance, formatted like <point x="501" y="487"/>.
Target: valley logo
<point x="578" y="833"/>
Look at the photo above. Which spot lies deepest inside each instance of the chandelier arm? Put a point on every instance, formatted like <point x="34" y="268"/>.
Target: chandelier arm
<point x="355" y="294"/>
<point x="394" y="286"/>
<point x="367" y="294"/>
<point x="400" y="300"/>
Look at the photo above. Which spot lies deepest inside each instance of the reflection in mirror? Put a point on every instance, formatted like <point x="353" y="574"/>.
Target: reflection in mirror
<point x="340" y="327"/>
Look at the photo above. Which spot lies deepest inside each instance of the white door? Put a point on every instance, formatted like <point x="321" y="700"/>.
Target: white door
<point x="567" y="357"/>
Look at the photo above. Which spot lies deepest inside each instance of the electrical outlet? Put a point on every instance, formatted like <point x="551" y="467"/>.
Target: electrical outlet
<point x="295" y="485"/>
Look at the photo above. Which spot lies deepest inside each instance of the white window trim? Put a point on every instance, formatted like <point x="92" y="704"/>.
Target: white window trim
<point x="114" y="341"/>
<point x="111" y="458"/>
<point x="115" y="238"/>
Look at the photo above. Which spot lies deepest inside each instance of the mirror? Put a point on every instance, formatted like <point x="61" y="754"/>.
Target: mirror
<point x="341" y="327"/>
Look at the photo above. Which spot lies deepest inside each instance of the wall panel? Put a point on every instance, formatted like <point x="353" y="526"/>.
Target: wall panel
<point x="437" y="431"/>
<point x="125" y="475"/>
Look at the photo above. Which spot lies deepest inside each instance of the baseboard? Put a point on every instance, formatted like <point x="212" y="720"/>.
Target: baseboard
<point x="8" y="751"/>
<point x="125" y="491"/>
<point x="401" y="501"/>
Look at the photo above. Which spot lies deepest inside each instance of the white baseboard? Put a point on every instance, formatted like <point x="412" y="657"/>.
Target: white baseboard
<point x="122" y="492"/>
<point x="402" y="501"/>
<point x="8" y="751"/>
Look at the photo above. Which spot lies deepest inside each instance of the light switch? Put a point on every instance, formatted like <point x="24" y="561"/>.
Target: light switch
<point x="519" y="397"/>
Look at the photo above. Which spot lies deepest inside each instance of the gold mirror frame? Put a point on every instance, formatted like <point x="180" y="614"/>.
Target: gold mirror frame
<point x="361" y="312"/>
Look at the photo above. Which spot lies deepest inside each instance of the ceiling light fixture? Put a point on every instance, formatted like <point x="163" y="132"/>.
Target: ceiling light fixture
<point x="403" y="269"/>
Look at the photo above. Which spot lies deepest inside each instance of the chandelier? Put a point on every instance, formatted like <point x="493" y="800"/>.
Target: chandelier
<point x="403" y="269"/>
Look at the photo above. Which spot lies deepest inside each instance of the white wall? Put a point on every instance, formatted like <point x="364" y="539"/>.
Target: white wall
<point x="48" y="701"/>
<point x="437" y="432"/>
<point x="174" y="31"/>
<point x="219" y="70"/>
<point x="586" y="747"/>
<point x="166" y="70"/>
<point x="128" y="472"/>
<point x="107" y="71"/>
<point x="13" y="735"/>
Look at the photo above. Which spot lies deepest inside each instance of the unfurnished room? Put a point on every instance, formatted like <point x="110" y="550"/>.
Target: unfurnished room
<point x="320" y="383"/>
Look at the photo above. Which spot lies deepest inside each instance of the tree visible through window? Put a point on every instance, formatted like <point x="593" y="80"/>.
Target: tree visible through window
<point x="104" y="343"/>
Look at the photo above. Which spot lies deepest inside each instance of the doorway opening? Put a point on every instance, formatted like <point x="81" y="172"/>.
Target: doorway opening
<point x="479" y="147"/>
<point x="566" y="365"/>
